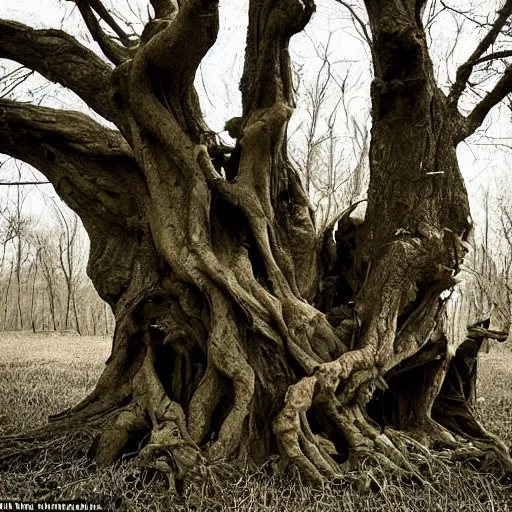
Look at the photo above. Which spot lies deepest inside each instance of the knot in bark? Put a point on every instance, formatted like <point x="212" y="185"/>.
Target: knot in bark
<point x="405" y="34"/>
<point x="295" y="15"/>
<point x="329" y="374"/>
<point x="153" y="28"/>
<point x="234" y="127"/>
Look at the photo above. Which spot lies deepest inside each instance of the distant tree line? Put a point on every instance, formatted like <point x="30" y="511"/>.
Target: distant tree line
<point x="43" y="280"/>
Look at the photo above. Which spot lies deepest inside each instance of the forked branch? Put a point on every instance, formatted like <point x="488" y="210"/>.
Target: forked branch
<point x="116" y="53"/>
<point x="60" y="58"/>
<point x="465" y="70"/>
<point x="103" y="13"/>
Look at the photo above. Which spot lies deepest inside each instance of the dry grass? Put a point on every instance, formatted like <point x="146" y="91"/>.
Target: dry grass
<point x="42" y="374"/>
<point x="495" y="391"/>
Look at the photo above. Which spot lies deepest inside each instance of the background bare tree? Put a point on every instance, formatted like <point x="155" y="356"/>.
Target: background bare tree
<point x="42" y="275"/>
<point x="330" y="144"/>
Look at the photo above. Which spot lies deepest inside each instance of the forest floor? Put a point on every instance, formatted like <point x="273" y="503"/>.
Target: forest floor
<point x="41" y="374"/>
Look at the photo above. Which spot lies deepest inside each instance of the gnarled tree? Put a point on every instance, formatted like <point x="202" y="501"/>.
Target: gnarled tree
<point x="240" y="331"/>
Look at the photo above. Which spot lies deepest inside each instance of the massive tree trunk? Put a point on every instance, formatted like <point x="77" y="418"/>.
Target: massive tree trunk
<point x="241" y="332"/>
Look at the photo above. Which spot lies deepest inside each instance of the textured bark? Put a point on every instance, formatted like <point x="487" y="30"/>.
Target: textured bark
<point x="239" y="331"/>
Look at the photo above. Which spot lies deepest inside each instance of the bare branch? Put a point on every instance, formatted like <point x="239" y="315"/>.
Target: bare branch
<point x="14" y="79"/>
<point x="19" y="183"/>
<point x="480" y="332"/>
<point x="105" y="15"/>
<point x="60" y="58"/>
<point x="465" y="14"/>
<point x="360" y="22"/>
<point x="497" y="94"/>
<point x="115" y="53"/>
<point x="464" y="71"/>
<point x="86" y="162"/>
<point x="74" y="128"/>
<point x="493" y="56"/>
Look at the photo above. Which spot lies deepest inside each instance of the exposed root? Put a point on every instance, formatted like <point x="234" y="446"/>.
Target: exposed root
<point x="206" y="398"/>
<point x="431" y="435"/>
<point x="114" y="438"/>
<point x="170" y="445"/>
<point x="309" y="453"/>
<point x="227" y="354"/>
<point x="487" y="457"/>
<point x="368" y="444"/>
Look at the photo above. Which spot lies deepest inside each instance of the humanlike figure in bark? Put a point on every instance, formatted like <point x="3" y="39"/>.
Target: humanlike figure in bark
<point x="225" y="345"/>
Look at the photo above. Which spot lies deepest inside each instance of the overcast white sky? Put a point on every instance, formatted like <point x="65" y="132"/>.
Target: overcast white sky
<point x="218" y="77"/>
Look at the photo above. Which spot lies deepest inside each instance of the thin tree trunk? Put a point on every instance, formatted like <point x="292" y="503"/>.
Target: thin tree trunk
<point x="19" y="312"/>
<point x="33" y="296"/>
<point x="77" y="323"/>
<point x="6" y="302"/>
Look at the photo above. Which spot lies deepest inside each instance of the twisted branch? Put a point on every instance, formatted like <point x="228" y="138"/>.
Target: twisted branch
<point x="75" y="153"/>
<point x="60" y="58"/>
